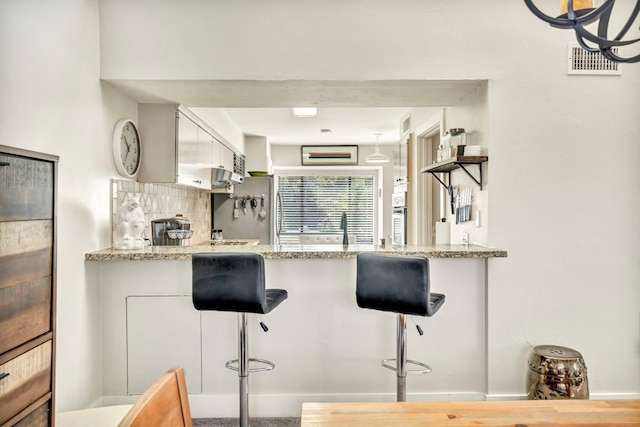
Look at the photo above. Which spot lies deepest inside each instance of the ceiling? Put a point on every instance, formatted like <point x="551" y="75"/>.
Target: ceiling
<point x="353" y="110"/>
<point x="347" y="125"/>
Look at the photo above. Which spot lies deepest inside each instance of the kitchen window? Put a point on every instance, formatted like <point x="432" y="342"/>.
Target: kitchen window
<point x="313" y="202"/>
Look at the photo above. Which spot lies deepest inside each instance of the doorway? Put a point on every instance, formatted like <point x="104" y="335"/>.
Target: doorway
<point x="430" y="194"/>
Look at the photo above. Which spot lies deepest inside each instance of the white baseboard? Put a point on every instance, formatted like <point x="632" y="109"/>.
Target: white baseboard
<point x="614" y="396"/>
<point x="592" y="396"/>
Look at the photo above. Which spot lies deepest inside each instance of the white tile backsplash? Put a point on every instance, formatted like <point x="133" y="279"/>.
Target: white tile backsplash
<point x="165" y="201"/>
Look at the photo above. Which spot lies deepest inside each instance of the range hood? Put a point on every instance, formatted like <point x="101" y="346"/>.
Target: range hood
<point x="224" y="178"/>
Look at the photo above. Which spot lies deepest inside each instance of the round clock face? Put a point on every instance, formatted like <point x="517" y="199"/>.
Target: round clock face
<point x="126" y="148"/>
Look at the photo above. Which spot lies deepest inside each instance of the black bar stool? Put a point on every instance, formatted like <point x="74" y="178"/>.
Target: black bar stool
<point x="399" y="284"/>
<point x="235" y="282"/>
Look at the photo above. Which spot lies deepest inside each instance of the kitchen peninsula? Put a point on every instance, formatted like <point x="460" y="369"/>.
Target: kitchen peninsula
<point x="295" y="251"/>
<point x="324" y="346"/>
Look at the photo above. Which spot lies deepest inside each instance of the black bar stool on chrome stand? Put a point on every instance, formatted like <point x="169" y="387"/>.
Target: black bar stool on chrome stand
<point x="235" y="282"/>
<point x="399" y="284"/>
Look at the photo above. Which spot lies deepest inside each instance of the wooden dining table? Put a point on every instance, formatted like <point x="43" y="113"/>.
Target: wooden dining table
<point x="516" y="413"/>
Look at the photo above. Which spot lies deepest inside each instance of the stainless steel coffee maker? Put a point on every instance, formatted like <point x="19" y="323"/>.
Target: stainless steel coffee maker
<point x="174" y="231"/>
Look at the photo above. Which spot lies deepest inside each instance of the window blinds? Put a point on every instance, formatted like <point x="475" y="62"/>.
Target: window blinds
<point x="315" y="203"/>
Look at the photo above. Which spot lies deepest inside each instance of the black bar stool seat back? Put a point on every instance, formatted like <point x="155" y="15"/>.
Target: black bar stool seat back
<point x="398" y="284"/>
<point x="235" y="282"/>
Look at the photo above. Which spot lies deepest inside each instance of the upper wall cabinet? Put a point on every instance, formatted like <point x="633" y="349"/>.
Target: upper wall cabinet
<point x="401" y="161"/>
<point x="177" y="149"/>
<point x="195" y="154"/>
<point x="226" y="158"/>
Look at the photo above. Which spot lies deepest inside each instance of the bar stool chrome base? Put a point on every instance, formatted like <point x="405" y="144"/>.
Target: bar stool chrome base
<point x="425" y="368"/>
<point x="243" y="368"/>
<point x="270" y="365"/>
<point x="401" y="361"/>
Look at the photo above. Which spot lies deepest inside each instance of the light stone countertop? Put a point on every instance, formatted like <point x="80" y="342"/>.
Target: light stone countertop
<point x="294" y="251"/>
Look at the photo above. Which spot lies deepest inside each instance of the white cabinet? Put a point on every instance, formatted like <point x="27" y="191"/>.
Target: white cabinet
<point x="162" y="331"/>
<point x="205" y="156"/>
<point x="222" y="156"/>
<point x="176" y="148"/>
<point x="258" y="152"/>
<point x="187" y="151"/>
<point x="401" y="161"/>
<point x="216" y="153"/>
<point x="195" y="154"/>
<point x="226" y="158"/>
<point x="158" y="126"/>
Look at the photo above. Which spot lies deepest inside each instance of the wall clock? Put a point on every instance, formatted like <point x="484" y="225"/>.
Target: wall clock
<point x="126" y="148"/>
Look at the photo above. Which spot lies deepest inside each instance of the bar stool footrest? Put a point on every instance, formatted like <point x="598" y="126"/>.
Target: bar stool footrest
<point x="233" y="365"/>
<point x="424" y="368"/>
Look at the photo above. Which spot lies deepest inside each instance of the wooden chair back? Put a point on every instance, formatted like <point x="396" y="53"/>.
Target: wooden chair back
<point x="164" y="404"/>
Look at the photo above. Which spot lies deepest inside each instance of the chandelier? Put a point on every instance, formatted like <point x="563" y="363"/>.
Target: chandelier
<point x="577" y="17"/>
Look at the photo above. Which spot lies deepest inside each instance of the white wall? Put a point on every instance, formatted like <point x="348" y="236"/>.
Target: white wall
<point x="561" y="203"/>
<point x="564" y="202"/>
<point x="53" y="102"/>
<point x="472" y="115"/>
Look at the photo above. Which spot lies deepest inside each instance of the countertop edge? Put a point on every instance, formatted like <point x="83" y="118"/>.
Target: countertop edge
<point x="167" y="253"/>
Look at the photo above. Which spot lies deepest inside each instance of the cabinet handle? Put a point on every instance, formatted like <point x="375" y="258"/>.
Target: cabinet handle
<point x="4" y="164"/>
<point x="197" y="181"/>
<point x="3" y="375"/>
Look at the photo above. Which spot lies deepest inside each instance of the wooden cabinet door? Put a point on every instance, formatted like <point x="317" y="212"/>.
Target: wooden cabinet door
<point x="26" y="249"/>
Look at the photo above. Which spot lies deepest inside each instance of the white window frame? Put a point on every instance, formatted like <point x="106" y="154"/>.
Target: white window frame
<point x="340" y="170"/>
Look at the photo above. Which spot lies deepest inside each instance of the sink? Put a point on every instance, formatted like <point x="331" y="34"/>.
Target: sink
<point x="231" y="243"/>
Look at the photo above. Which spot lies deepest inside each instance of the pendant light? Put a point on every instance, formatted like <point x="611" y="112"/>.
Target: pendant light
<point x="578" y="13"/>
<point x="377" y="156"/>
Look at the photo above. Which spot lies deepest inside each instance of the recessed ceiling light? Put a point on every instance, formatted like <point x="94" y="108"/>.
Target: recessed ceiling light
<point x="305" y="112"/>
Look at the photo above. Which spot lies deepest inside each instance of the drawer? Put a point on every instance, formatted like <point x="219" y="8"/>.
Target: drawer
<point x="26" y="250"/>
<point x="26" y="264"/>
<point x="38" y="418"/>
<point x="26" y="189"/>
<point x="25" y="312"/>
<point x="29" y="378"/>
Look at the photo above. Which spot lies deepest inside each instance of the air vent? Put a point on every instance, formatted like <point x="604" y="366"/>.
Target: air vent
<point x="585" y="62"/>
<point x="238" y="164"/>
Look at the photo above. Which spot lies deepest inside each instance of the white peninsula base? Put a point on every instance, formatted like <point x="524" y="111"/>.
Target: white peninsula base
<point x="325" y="348"/>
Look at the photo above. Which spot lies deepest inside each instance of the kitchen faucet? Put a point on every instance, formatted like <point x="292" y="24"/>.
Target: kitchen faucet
<point x="343" y="226"/>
